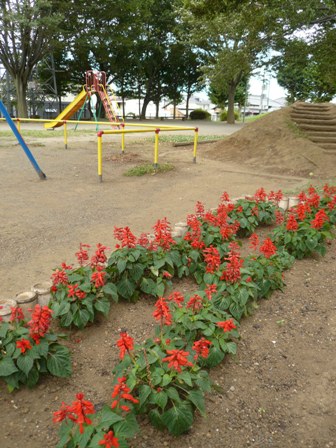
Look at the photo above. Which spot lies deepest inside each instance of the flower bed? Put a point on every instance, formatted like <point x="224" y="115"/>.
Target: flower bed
<point x="166" y="377"/>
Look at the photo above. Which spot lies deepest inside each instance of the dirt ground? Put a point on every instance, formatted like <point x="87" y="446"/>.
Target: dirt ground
<point x="280" y="388"/>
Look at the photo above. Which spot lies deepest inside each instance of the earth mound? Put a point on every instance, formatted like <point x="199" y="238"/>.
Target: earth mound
<point x="276" y="143"/>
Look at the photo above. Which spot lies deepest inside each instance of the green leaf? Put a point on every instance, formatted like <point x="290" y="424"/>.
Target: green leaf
<point x="128" y="428"/>
<point x="58" y="361"/>
<point x="185" y="376"/>
<point x="3" y="329"/>
<point x="160" y="399"/>
<point x="103" y="306"/>
<point x="7" y="367"/>
<point x="155" y="418"/>
<point x="231" y="347"/>
<point x="197" y="398"/>
<point x="173" y="394"/>
<point x="178" y="419"/>
<point x="25" y="362"/>
<point x="145" y="392"/>
<point x="126" y="288"/>
<point x="86" y="436"/>
<point x="121" y="265"/>
<point x="166" y="379"/>
<point x="108" y="417"/>
<point x="66" y="320"/>
<point x="111" y="290"/>
<point x="148" y="286"/>
<point x="64" y="308"/>
<point x="215" y="357"/>
<point x="33" y="377"/>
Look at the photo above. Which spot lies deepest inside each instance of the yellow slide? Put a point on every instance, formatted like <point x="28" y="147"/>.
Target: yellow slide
<point x="73" y="107"/>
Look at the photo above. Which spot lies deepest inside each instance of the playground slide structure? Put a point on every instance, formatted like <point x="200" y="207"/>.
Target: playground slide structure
<point x="95" y="83"/>
<point x="72" y="108"/>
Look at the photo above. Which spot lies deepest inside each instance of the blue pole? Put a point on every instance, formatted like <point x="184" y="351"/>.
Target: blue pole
<point x="23" y="144"/>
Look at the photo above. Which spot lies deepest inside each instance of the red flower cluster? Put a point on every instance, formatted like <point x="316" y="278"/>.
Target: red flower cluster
<point x="254" y="241"/>
<point x="122" y="392"/>
<point x="268" y="248"/>
<point x="82" y="255"/>
<point x="227" y="325"/>
<point x="166" y="274"/>
<point x="302" y="209"/>
<point x="125" y="344"/>
<point x="40" y="322"/>
<point x="24" y="345"/>
<point x="59" y="277"/>
<point x="275" y="196"/>
<point x="176" y="297"/>
<point x="199" y="209"/>
<point x="77" y="412"/>
<point x="201" y="348"/>
<point x="177" y="359"/>
<point x="195" y="235"/>
<point x="16" y="314"/>
<point x="99" y="256"/>
<point x="225" y="197"/>
<point x="162" y="312"/>
<point x="210" y="290"/>
<point x="195" y="303"/>
<point x="320" y="218"/>
<point x="231" y="272"/>
<point x="75" y="292"/>
<point x="279" y="218"/>
<point x="212" y="259"/>
<point x="260" y="195"/>
<point x="125" y="236"/>
<point x="98" y="278"/>
<point x="162" y="234"/>
<point x="109" y="441"/>
<point x="292" y="224"/>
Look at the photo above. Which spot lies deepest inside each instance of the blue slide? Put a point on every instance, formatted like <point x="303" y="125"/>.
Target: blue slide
<point x="23" y="144"/>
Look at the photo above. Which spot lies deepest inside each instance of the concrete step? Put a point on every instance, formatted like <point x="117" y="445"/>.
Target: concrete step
<point x="314" y="134"/>
<point x="323" y="140"/>
<point x="326" y="117"/>
<point x="310" y="106"/>
<point x="315" y="122"/>
<point x="319" y="127"/>
<point x="307" y="113"/>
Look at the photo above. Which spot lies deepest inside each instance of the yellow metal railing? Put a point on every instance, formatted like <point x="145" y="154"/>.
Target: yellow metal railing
<point x="148" y="128"/>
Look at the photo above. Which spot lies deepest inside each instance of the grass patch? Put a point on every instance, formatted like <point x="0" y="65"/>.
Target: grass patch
<point x="184" y="138"/>
<point x="296" y="130"/>
<point x="142" y="170"/>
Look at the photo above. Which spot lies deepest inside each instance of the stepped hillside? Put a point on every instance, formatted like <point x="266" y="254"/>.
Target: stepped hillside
<point x="281" y="145"/>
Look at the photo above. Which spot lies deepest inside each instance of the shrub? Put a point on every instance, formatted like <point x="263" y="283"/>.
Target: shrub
<point x="224" y="113"/>
<point x="199" y="114"/>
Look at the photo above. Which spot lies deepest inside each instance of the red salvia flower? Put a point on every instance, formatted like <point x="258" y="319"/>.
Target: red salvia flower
<point x="275" y="196"/>
<point x="232" y="270"/>
<point x="125" y="236"/>
<point x="227" y="325"/>
<point x="292" y="224"/>
<point x="99" y="256"/>
<point x="16" y="314"/>
<point x="162" y="312"/>
<point x="166" y="274"/>
<point x="24" y="345"/>
<point x="239" y="209"/>
<point x="176" y="297"/>
<point x="59" y="276"/>
<point x="302" y="196"/>
<point x="109" y="441"/>
<point x="199" y="209"/>
<point x="210" y="290"/>
<point x="254" y="241"/>
<point x="125" y="344"/>
<point x="260" y="195"/>
<point x="143" y="240"/>
<point x="195" y="303"/>
<point x="314" y="200"/>
<point x="75" y="292"/>
<point x="255" y="211"/>
<point x="225" y="197"/>
<point x="82" y="254"/>
<point x="279" y="218"/>
<point x="201" y="348"/>
<point x="98" y="278"/>
<point x="177" y="359"/>
<point x="81" y="408"/>
<point x="212" y="259"/>
<point x="40" y="322"/>
<point x="268" y="248"/>
<point x="63" y="413"/>
<point x="122" y="392"/>
<point x="320" y="218"/>
<point x="162" y="234"/>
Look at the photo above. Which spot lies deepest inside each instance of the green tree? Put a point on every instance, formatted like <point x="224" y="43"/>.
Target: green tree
<point x="28" y="30"/>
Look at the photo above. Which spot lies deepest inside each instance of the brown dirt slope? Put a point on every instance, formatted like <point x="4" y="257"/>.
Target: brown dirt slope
<point x="276" y="143"/>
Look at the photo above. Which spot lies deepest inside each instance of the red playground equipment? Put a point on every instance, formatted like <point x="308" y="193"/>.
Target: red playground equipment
<point x="95" y="83"/>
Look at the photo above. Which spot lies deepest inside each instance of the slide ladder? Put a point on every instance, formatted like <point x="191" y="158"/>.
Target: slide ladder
<point x="107" y="104"/>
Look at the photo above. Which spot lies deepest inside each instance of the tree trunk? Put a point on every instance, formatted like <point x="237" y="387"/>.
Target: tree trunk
<point x="187" y="103"/>
<point x="174" y="109"/>
<point x="59" y="104"/>
<point x="231" y="96"/>
<point x="157" y="105"/>
<point x="21" y="90"/>
<point x="144" y="108"/>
